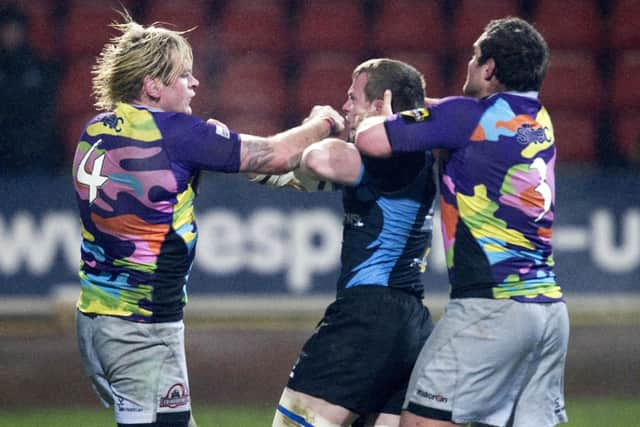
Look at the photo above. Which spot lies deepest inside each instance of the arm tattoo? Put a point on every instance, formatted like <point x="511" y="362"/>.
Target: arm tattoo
<point x="258" y="155"/>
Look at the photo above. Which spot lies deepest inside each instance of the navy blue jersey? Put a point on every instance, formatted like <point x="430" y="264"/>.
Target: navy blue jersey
<point x="387" y="223"/>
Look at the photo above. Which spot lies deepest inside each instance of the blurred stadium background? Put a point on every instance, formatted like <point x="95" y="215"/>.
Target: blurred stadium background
<point x="267" y="259"/>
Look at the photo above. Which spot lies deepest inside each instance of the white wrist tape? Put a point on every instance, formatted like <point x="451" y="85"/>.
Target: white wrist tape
<point x="311" y="185"/>
<point x="295" y="179"/>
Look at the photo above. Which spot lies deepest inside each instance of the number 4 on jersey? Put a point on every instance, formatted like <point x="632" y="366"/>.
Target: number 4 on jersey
<point x="93" y="180"/>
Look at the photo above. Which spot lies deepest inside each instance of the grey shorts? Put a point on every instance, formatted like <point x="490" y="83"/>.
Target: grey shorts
<point x="491" y="361"/>
<point x="139" y="368"/>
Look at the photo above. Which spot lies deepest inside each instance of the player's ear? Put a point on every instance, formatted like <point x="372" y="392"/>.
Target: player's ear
<point x="489" y="69"/>
<point x="151" y="87"/>
<point x="378" y="106"/>
<point x="383" y="106"/>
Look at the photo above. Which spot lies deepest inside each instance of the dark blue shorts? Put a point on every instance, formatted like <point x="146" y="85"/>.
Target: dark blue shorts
<point x="363" y="350"/>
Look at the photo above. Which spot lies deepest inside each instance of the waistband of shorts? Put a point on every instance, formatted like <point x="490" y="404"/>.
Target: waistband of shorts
<point x="165" y="319"/>
<point x="481" y="291"/>
<point x="487" y="293"/>
<point x="377" y="289"/>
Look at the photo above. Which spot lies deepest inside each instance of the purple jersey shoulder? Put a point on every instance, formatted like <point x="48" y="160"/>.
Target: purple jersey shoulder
<point x="191" y="141"/>
<point x="447" y="124"/>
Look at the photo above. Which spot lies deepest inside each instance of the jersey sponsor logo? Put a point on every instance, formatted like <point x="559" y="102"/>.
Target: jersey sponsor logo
<point x="417" y="115"/>
<point x="177" y="395"/>
<point x="526" y="134"/>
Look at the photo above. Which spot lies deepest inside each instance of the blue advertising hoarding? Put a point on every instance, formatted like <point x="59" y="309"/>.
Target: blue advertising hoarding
<point x="257" y="240"/>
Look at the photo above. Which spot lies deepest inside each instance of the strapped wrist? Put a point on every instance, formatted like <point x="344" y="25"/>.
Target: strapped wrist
<point x="332" y="126"/>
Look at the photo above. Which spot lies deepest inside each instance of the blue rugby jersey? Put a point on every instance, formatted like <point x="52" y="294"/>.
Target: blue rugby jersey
<point x="497" y="191"/>
<point x="387" y="223"/>
<point x="135" y="174"/>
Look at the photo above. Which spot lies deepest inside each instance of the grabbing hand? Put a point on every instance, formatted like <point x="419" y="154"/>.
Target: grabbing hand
<point x="325" y="112"/>
<point x="386" y="103"/>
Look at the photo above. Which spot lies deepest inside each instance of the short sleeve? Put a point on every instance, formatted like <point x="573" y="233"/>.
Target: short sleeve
<point x="198" y="145"/>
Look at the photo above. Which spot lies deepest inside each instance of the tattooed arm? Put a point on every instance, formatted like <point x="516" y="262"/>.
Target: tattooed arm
<point x="282" y="152"/>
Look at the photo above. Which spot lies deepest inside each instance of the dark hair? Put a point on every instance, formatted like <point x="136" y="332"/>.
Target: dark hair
<point x="520" y="52"/>
<point x="406" y="83"/>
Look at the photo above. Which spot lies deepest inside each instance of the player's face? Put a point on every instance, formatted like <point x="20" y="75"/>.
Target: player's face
<point x="475" y="84"/>
<point x="177" y="96"/>
<point x="357" y="107"/>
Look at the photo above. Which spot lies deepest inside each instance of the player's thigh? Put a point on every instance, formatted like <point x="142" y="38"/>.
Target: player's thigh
<point x="474" y="363"/>
<point x="412" y="420"/>
<point x="178" y="419"/>
<point x="374" y="329"/>
<point x="542" y="400"/>
<point x="380" y="420"/>
<point x="85" y="329"/>
<point x="147" y="365"/>
<point x="296" y="408"/>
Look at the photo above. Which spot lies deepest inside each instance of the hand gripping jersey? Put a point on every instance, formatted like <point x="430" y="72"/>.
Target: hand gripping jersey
<point x="497" y="191"/>
<point x="135" y="174"/>
<point x="387" y="223"/>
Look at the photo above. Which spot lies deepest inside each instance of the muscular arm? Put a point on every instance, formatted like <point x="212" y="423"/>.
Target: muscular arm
<point x="282" y="152"/>
<point x="447" y="124"/>
<point x="332" y="159"/>
<point x="371" y="139"/>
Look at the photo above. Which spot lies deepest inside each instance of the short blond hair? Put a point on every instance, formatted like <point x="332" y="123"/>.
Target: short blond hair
<point x="138" y="52"/>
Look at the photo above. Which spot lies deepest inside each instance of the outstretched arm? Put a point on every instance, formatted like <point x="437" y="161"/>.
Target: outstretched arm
<point x="281" y="153"/>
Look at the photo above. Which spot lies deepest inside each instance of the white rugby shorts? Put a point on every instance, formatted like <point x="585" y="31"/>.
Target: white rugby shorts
<point x="138" y="368"/>
<point x="489" y="360"/>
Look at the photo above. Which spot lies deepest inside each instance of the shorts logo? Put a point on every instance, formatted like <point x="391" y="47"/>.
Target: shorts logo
<point x="123" y="405"/>
<point x="176" y="396"/>
<point x="417" y="115"/>
<point x="430" y="396"/>
<point x="353" y="220"/>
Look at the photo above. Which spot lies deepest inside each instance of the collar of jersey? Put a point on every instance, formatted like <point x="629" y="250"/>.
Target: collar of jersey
<point x="530" y="94"/>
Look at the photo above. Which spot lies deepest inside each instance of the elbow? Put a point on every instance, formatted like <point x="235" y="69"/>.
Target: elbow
<point x="313" y="161"/>
<point x="371" y="142"/>
<point x="361" y="142"/>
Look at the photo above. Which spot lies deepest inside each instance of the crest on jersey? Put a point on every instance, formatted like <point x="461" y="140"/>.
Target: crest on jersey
<point x="417" y="115"/>
<point x="112" y="121"/>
